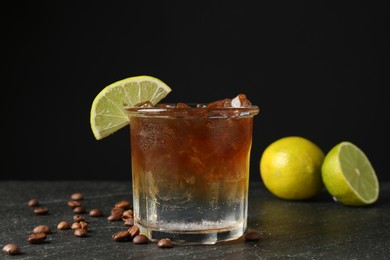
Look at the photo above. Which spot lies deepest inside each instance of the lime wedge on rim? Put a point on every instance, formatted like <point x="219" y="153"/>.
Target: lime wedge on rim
<point x="108" y="113"/>
<point x="349" y="176"/>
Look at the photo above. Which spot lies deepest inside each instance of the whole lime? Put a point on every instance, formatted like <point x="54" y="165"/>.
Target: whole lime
<point x="290" y="168"/>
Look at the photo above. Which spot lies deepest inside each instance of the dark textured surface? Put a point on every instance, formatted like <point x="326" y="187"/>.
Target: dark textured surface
<point x="317" y="229"/>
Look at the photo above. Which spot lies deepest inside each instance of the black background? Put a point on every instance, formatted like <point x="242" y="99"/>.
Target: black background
<point x="316" y="69"/>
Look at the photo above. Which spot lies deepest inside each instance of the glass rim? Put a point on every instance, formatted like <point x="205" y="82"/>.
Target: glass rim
<point x="193" y="112"/>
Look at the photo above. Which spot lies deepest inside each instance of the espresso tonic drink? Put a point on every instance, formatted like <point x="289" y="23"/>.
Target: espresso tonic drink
<point x="190" y="169"/>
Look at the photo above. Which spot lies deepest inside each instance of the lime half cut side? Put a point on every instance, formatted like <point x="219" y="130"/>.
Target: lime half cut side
<point x="108" y="113"/>
<point x="349" y="176"/>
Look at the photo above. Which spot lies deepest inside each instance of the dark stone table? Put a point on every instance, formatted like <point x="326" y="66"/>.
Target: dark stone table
<point x="316" y="229"/>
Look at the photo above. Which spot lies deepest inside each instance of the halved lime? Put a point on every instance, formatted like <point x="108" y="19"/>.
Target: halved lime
<point x="108" y="113"/>
<point x="349" y="176"/>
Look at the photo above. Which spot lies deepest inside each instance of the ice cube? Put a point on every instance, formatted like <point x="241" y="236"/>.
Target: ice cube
<point x="164" y="106"/>
<point x="241" y="101"/>
<point x="182" y="105"/>
<point x="227" y="102"/>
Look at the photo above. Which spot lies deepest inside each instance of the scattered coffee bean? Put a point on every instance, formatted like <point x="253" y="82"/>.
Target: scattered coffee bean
<point x="73" y="204"/>
<point x="76" y="225"/>
<point x="11" y="249"/>
<point x="164" y="243"/>
<point x="133" y="231"/>
<point x="33" y="203"/>
<point x="77" y="196"/>
<point x="114" y="217"/>
<point x="80" y="232"/>
<point x="118" y="211"/>
<point x="37" y="238"/>
<point x="127" y="214"/>
<point x="42" y="229"/>
<point x="96" y="213"/>
<point x="41" y="211"/>
<point x="78" y="218"/>
<point x="83" y="225"/>
<point x="252" y="236"/>
<point x="140" y="239"/>
<point x="63" y="225"/>
<point x="79" y="210"/>
<point x="129" y="222"/>
<point x="116" y="214"/>
<point x="124" y="204"/>
<point x="121" y="236"/>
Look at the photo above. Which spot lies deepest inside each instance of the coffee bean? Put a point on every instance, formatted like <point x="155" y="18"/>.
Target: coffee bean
<point x="83" y="225"/>
<point x="11" y="249"/>
<point x="63" y="225"/>
<point x="77" y="196"/>
<point x="124" y="204"/>
<point x="127" y="214"/>
<point x="129" y="222"/>
<point x="79" y="210"/>
<point x="116" y="214"/>
<point x="33" y="203"/>
<point x="134" y="231"/>
<point x="140" y="239"/>
<point x="80" y="232"/>
<point x="114" y="217"/>
<point x="121" y="236"/>
<point x="41" y="211"/>
<point x="117" y="211"/>
<point x="252" y="236"/>
<point x="76" y="225"/>
<point x="78" y="218"/>
<point x="37" y="238"/>
<point x="164" y="243"/>
<point x="42" y="229"/>
<point x="96" y="213"/>
<point x="73" y="204"/>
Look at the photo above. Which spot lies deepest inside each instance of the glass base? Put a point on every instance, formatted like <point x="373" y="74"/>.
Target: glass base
<point x="203" y="237"/>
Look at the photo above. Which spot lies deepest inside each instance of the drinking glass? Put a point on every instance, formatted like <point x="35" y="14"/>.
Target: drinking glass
<point x="190" y="171"/>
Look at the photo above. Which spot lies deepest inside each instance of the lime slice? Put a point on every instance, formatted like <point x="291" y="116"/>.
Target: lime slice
<point x="349" y="176"/>
<point x="108" y="114"/>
